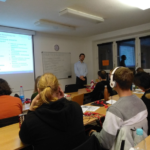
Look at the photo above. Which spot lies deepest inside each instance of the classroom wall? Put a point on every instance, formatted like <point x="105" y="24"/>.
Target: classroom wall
<point x="76" y="45"/>
<point x="46" y="42"/>
<point x="127" y="33"/>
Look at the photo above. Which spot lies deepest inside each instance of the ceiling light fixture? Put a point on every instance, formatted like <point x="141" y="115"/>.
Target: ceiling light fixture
<point x="142" y="4"/>
<point x="78" y="14"/>
<point x="53" y="25"/>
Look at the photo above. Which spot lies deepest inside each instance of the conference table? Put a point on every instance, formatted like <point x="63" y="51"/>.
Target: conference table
<point x="26" y="107"/>
<point x="9" y="138"/>
<point x="102" y="110"/>
<point x="79" y="92"/>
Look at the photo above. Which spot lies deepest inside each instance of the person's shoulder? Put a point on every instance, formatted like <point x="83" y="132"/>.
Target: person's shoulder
<point x="64" y="100"/>
<point x="12" y="98"/>
<point x="114" y="110"/>
<point x="31" y="118"/>
<point x="77" y="62"/>
<point x="99" y="83"/>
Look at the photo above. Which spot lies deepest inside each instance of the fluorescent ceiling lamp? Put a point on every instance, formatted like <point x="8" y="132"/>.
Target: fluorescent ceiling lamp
<point x="53" y="25"/>
<point x="142" y="4"/>
<point x="2" y="0"/>
<point x="80" y="15"/>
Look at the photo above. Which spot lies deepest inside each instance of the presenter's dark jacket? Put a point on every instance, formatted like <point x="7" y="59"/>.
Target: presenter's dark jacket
<point x="54" y="126"/>
<point x="146" y="100"/>
<point x="98" y="92"/>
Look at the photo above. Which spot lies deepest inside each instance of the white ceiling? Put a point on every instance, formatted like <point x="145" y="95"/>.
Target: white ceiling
<point x="23" y="14"/>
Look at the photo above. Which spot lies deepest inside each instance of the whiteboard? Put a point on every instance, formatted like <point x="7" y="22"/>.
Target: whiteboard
<point x="57" y="63"/>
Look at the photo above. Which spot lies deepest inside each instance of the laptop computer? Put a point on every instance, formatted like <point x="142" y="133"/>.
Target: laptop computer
<point x="71" y="88"/>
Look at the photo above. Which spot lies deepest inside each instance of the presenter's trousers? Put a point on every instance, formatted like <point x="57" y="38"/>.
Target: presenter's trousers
<point x="80" y="82"/>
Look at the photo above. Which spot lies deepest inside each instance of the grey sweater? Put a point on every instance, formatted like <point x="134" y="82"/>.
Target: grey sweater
<point x="126" y="111"/>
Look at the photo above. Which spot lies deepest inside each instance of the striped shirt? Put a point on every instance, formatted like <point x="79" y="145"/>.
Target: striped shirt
<point x="126" y="111"/>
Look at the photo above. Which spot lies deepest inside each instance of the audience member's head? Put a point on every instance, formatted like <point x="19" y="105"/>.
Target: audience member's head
<point x="102" y="74"/>
<point x="133" y="70"/>
<point x="138" y="70"/>
<point x="142" y="80"/>
<point x="4" y="88"/>
<point x="35" y="86"/>
<point x="124" y="78"/>
<point x="48" y="88"/>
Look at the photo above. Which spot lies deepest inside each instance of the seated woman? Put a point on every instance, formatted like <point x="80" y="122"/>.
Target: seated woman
<point x="35" y="92"/>
<point x="142" y="80"/>
<point x="9" y="106"/>
<point x="53" y="122"/>
<point x="98" y="92"/>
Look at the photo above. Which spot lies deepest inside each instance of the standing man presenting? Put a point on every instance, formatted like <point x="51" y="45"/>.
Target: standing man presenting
<point x="80" y="69"/>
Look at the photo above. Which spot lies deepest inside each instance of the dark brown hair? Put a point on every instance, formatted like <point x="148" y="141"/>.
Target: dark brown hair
<point x="142" y="79"/>
<point x="4" y="88"/>
<point x="124" y="77"/>
<point x="36" y="82"/>
<point x="102" y="74"/>
<point x="82" y="54"/>
<point x="139" y="70"/>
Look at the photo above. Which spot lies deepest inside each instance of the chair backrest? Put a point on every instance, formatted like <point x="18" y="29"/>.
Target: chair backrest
<point x="9" y="121"/>
<point x="127" y="133"/>
<point x="91" y="144"/>
<point x="79" y="99"/>
<point x="71" y="88"/>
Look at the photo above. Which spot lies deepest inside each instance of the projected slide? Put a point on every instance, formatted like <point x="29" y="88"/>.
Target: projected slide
<point x="16" y="54"/>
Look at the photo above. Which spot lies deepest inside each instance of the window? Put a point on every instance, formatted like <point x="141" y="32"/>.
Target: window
<point x="105" y="56"/>
<point x="126" y="53"/>
<point x="145" y="52"/>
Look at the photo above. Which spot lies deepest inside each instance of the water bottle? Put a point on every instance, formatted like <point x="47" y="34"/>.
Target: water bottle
<point x="22" y="94"/>
<point x="139" y="140"/>
<point x="106" y="97"/>
<point x="133" y="87"/>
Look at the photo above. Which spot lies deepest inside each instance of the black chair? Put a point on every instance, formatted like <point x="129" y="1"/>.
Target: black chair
<point x="91" y="144"/>
<point x="71" y="88"/>
<point x="9" y="121"/>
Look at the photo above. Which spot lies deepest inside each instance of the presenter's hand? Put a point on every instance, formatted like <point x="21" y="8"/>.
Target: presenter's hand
<point x="82" y="78"/>
<point x="34" y="102"/>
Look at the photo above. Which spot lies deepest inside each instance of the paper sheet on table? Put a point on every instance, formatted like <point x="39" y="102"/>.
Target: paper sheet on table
<point x="88" y="108"/>
<point x="138" y="92"/>
<point x="111" y="101"/>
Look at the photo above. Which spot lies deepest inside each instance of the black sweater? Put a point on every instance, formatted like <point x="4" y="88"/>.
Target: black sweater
<point x="54" y="126"/>
<point x="147" y="103"/>
<point x="98" y="92"/>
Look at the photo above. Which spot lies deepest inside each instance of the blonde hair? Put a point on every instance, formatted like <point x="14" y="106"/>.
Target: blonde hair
<point x="47" y="85"/>
<point x="124" y="77"/>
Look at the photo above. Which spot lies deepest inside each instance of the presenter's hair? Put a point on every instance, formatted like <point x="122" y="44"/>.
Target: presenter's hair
<point x="124" y="77"/>
<point x="82" y="54"/>
<point x="35" y="86"/>
<point x="4" y="88"/>
<point x="47" y="85"/>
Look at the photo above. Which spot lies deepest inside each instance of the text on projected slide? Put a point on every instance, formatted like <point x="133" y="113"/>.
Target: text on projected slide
<point x="16" y="54"/>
